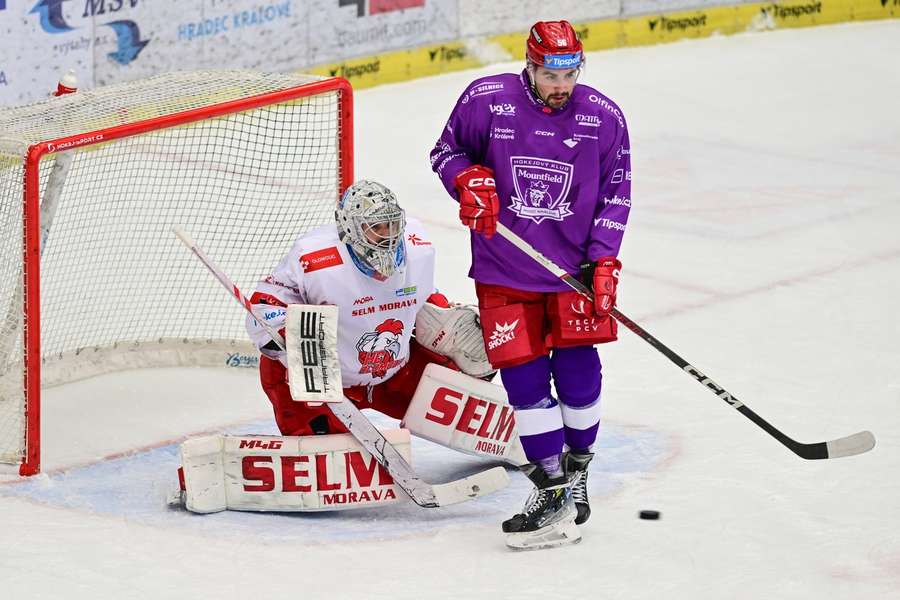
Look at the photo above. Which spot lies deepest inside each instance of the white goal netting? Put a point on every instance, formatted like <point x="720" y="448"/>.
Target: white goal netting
<point x="117" y="289"/>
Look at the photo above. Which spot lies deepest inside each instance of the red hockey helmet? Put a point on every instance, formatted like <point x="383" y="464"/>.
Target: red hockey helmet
<point x="554" y="45"/>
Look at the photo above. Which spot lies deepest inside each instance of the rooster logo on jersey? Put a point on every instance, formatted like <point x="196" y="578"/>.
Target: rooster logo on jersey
<point x="379" y="349"/>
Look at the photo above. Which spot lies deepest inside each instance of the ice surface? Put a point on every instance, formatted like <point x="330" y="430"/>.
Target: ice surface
<point x="762" y="247"/>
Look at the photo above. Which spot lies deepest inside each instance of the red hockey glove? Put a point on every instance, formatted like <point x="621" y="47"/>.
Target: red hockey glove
<point x="478" y="201"/>
<point x="606" y="280"/>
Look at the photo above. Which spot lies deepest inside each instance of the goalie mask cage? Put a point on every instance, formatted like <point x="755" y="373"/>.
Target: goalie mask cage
<point x="92" y="279"/>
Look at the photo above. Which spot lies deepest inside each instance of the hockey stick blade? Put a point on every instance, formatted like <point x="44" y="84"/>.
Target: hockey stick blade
<point x="421" y="492"/>
<point x="851" y="445"/>
<point x="467" y="488"/>
<point x="858" y="443"/>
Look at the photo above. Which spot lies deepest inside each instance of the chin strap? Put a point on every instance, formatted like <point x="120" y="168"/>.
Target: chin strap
<point x="533" y="86"/>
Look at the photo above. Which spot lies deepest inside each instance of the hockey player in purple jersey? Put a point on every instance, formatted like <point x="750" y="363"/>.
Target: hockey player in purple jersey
<point x="550" y="159"/>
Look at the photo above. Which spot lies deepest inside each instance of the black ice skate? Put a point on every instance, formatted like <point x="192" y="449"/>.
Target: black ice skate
<point x="576" y="465"/>
<point x="548" y="518"/>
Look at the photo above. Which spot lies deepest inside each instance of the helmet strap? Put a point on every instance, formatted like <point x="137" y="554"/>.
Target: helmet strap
<point x="530" y="68"/>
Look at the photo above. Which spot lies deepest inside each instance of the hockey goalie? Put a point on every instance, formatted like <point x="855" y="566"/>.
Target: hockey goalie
<point x="376" y="268"/>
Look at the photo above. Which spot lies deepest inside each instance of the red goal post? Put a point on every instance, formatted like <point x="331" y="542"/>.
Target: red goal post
<point x="91" y="277"/>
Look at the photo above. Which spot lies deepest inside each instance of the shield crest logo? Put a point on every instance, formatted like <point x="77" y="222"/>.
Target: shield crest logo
<point x="542" y="186"/>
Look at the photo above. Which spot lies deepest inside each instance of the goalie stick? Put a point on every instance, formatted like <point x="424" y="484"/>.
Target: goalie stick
<point x="857" y="443"/>
<point x="422" y="493"/>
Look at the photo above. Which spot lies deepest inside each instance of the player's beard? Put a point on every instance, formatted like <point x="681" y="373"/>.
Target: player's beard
<point x="557" y="100"/>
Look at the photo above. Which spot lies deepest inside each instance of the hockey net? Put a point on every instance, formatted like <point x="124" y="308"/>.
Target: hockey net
<point x="92" y="279"/>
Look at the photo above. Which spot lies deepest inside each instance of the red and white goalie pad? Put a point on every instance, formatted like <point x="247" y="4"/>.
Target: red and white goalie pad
<point x="291" y="474"/>
<point x="464" y="413"/>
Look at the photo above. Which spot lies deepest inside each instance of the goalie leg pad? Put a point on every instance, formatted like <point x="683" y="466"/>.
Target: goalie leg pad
<point x="204" y="474"/>
<point x="464" y="413"/>
<point x="292" y="474"/>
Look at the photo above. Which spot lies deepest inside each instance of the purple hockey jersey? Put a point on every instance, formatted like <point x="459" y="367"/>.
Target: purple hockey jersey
<point x="563" y="176"/>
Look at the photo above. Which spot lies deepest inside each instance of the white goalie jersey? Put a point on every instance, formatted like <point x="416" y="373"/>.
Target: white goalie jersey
<point x="376" y="318"/>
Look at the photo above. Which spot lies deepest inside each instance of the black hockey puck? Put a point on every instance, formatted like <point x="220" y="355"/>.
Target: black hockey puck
<point x="649" y="515"/>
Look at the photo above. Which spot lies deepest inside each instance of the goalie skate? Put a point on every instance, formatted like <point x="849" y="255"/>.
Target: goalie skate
<point x="176" y="500"/>
<point x="548" y="517"/>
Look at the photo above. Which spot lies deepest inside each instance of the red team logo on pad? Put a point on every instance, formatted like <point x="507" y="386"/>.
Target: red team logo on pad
<point x="320" y="259"/>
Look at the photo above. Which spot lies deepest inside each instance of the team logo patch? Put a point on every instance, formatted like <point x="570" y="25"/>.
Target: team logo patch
<point x="378" y="350"/>
<point x="542" y="186"/>
<point x="503" y="110"/>
<point x="261" y="298"/>
<point x="320" y="259"/>
<point x="503" y="333"/>
<point x="578" y="306"/>
<point x="562" y="61"/>
<point x="415" y="240"/>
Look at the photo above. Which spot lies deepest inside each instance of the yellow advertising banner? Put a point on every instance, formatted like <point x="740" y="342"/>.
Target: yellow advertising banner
<point x="603" y="34"/>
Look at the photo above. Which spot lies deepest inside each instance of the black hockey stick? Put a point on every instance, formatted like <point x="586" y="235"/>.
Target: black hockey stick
<point x="850" y="445"/>
<point x="421" y="492"/>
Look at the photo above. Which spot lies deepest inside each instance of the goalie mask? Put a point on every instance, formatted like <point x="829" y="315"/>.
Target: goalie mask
<point x="371" y="223"/>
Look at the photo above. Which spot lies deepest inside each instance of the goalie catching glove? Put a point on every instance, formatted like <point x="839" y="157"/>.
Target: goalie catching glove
<point x="454" y="332"/>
